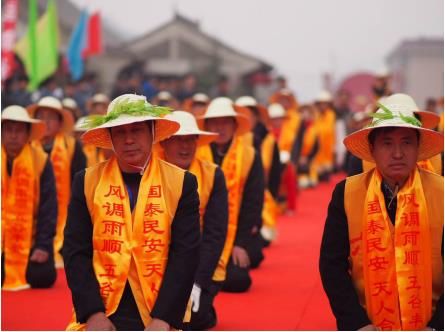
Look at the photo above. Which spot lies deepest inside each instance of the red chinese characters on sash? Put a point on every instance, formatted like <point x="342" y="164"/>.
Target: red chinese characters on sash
<point x="394" y="256"/>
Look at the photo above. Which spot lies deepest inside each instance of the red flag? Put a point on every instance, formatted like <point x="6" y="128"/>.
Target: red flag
<point x="93" y="42"/>
<point x="10" y="14"/>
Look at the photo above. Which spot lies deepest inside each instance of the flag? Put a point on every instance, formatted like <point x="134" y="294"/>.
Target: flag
<point x="76" y="47"/>
<point x="10" y="15"/>
<point x="38" y="49"/>
<point x="93" y="43"/>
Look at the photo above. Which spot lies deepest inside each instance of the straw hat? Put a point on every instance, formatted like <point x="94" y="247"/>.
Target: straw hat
<point x="127" y="109"/>
<point x="276" y="111"/>
<point x="69" y="103"/>
<point x="188" y="126"/>
<point x="100" y="98"/>
<point x="55" y="105"/>
<point x="430" y="144"/>
<point x="248" y="101"/>
<point x="200" y="98"/>
<point x="324" y="97"/>
<point x="164" y="95"/>
<point x="222" y="107"/>
<point x="81" y="124"/>
<point x="400" y="102"/>
<point x="19" y="114"/>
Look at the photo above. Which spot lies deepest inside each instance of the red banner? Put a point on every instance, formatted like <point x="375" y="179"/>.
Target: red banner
<point x="10" y="16"/>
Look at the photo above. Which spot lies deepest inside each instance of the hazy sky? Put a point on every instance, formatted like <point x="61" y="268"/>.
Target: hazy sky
<point x="300" y="38"/>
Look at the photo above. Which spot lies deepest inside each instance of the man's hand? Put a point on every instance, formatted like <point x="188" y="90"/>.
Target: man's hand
<point x="157" y="325"/>
<point x="39" y="256"/>
<point x="196" y="296"/>
<point x="368" y="327"/>
<point x="240" y="257"/>
<point x="99" y="322"/>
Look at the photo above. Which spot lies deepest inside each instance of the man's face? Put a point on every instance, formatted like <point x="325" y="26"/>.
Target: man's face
<point x="198" y="109"/>
<point x="53" y="121"/>
<point x="14" y="137"/>
<point x="225" y="127"/>
<point x="132" y="142"/>
<point x="180" y="150"/>
<point x="395" y="153"/>
<point x="99" y="108"/>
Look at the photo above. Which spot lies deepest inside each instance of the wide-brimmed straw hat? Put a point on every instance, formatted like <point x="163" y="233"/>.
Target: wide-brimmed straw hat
<point x="223" y="107"/>
<point x="200" y="98"/>
<point x="276" y="111"/>
<point x="69" y="103"/>
<point x="127" y="109"/>
<point x="400" y="102"/>
<point x="324" y="97"/>
<point x="430" y="142"/>
<point x="100" y="98"/>
<point x="248" y="101"/>
<point x="81" y="124"/>
<point x="55" y="105"/>
<point x="189" y="126"/>
<point x="19" y="114"/>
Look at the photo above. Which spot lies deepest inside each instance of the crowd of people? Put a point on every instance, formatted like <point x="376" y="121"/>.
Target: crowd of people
<point x="154" y="202"/>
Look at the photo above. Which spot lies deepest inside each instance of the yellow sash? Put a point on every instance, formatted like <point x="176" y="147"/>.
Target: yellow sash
<point x="236" y="167"/>
<point x="61" y="156"/>
<point x="270" y="208"/>
<point x="93" y="154"/>
<point x="401" y="264"/>
<point x="128" y="245"/>
<point x="325" y="124"/>
<point x="18" y="211"/>
<point x="205" y="174"/>
<point x="289" y="131"/>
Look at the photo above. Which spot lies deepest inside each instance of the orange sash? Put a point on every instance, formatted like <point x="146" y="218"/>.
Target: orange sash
<point x="93" y="154"/>
<point x="18" y="205"/>
<point x="61" y="156"/>
<point x="205" y="175"/>
<point x="236" y="167"/>
<point x="128" y="245"/>
<point x="291" y="125"/>
<point x="325" y="124"/>
<point x="397" y="270"/>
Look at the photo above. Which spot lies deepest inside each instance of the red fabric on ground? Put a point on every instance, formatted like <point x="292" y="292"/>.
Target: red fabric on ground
<point x="286" y="293"/>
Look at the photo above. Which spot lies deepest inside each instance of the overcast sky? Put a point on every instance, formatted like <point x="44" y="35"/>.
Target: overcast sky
<point x="300" y="38"/>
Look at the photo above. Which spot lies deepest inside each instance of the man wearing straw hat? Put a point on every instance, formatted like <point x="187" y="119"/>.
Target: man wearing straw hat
<point x="196" y="104"/>
<point x="265" y="144"/>
<point x="65" y="153"/>
<point x="381" y="255"/>
<point x="244" y="175"/>
<point x="429" y="120"/>
<point x="131" y="244"/>
<point x="180" y="150"/>
<point x="29" y="204"/>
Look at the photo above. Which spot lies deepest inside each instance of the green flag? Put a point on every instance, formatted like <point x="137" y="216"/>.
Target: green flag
<point x="38" y="48"/>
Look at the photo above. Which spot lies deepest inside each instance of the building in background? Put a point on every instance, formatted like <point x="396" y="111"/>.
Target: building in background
<point x="417" y="68"/>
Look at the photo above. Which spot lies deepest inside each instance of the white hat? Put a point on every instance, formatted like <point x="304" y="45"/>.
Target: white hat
<point x="430" y="143"/>
<point x="200" y="98"/>
<point x="188" y="126"/>
<point x="164" y="95"/>
<point x="276" y="111"/>
<point x="127" y="109"/>
<point x="222" y="107"/>
<point x="69" y="103"/>
<point x="81" y="124"/>
<point x="55" y="105"/>
<point x="100" y="98"/>
<point x="19" y="114"/>
<point x="324" y="97"/>
<point x="248" y="101"/>
<point x="382" y="72"/>
<point x="400" y="102"/>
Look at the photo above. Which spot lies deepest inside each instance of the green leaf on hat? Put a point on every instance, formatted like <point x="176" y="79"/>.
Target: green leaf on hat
<point x="411" y="120"/>
<point x="125" y="107"/>
<point x="388" y="115"/>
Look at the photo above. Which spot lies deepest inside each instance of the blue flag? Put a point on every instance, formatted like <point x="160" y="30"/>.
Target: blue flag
<point x="76" y="46"/>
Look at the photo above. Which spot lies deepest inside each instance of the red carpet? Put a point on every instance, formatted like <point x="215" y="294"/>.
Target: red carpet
<point x="286" y="293"/>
